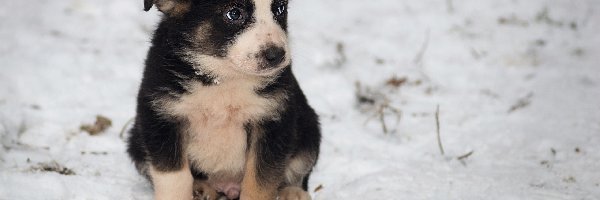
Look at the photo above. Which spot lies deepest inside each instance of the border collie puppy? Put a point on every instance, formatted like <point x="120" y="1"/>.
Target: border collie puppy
<point x="220" y="114"/>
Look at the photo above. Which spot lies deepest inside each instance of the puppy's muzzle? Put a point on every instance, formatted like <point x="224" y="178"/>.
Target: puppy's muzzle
<point x="273" y="56"/>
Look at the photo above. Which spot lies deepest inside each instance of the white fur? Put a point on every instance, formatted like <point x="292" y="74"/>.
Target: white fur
<point x="172" y="185"/>
<point x="217" y="114"/>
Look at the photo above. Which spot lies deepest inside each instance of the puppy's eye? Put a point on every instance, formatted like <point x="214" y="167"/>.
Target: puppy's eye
<point x="236" y="15"/>
<point x="280" y="10"/>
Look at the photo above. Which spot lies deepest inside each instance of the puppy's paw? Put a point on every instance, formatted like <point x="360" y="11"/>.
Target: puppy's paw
<point x="203" y="191"/>
<point x="293" y="193"/>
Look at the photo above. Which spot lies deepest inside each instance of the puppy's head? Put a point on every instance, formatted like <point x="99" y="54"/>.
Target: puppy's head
<point x="229" y="37"/>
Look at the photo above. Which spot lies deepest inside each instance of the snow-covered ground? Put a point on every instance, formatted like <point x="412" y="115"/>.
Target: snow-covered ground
<point x="517" y="83"/>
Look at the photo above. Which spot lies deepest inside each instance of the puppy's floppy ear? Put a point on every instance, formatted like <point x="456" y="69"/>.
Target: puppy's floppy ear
<point x="169" y="7"/>
<point x="148" y="4"/>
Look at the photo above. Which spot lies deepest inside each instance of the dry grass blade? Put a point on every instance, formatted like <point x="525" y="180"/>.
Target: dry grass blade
<point x="521" y="103"/>
<point x="437" y="123"/>
<point x="465" y="156"/>
<point x="124" y="129"/>
<point x="319" y="188"/>
<point x="378" y="104"/>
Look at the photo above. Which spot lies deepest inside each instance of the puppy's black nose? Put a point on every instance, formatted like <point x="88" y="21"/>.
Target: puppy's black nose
<point x="274" y="55"/>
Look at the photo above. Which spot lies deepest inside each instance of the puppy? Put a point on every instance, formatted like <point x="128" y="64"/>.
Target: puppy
<point x="220" y="114"/>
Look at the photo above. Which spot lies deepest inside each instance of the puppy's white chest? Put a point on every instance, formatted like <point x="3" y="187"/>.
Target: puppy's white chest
<point x="217" y="115"/>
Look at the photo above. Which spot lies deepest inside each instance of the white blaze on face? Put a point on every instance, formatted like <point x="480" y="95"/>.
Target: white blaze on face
<point x="244" y="56"/>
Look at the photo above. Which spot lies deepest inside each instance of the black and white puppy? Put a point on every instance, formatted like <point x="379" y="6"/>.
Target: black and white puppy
<point x="220" y="114"/>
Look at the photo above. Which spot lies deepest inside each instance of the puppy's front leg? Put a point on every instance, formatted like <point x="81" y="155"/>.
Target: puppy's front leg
<point x="262" y="180"/>
<point x="172" y="185"/>
<point x="265" y="161"/>
<point x="253" y="186"/>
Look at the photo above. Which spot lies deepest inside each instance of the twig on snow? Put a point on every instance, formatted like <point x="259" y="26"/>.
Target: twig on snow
<point x="318" y="188"/>
<point x="378" y="104"/>
<point x="419" y="57"/>
<point x="521" y="103"/>
<point x="122" y="133"/>
<point x="437" y="123"/>
<point x="462" y="158"/>
<point x="418" y="60"/>
<point x="380" y="114"/>
<point x="465" y="156"/>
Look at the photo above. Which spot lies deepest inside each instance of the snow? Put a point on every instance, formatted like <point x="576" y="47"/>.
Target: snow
<point x="65" y="61"/>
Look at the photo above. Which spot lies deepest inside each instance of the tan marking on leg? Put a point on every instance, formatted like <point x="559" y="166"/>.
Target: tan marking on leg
<point x="293" y="193"/>
<point x="298" y="167"/>
<point x="175" y="185"/>
<point x="251" y="188"/>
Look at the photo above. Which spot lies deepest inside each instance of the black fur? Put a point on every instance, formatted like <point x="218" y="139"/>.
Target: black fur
<point x="156" y="139"/>
<point x="148" y="4"/>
